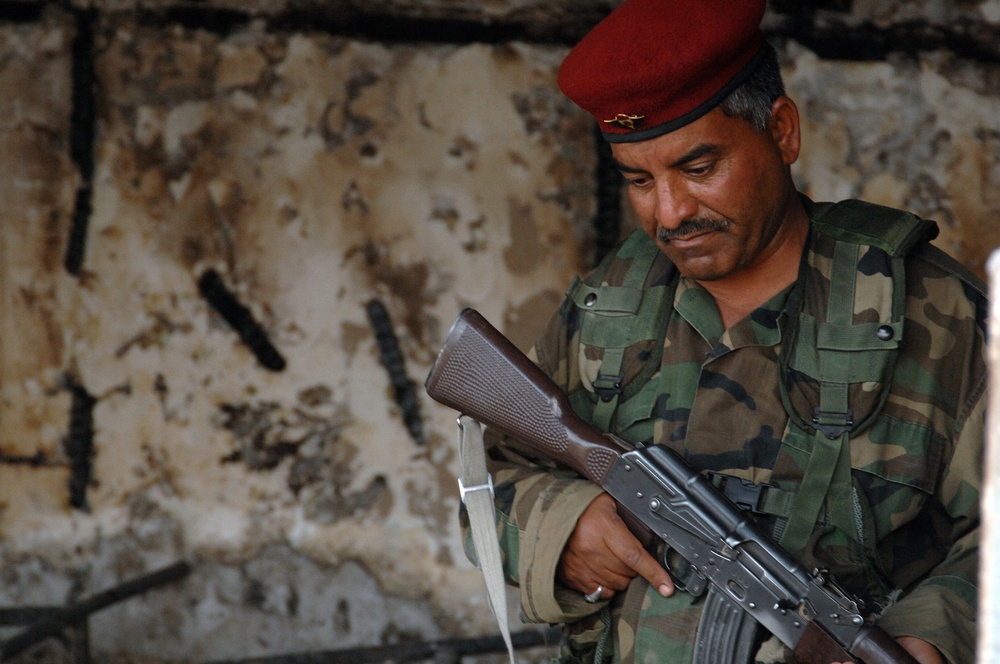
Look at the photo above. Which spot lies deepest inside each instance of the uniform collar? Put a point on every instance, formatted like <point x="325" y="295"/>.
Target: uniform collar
<point x="761" y="328"/>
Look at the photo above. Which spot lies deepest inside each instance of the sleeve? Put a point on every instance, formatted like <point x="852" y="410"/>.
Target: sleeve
<point x="538" y="503"/>
<point x="941" y="609"/>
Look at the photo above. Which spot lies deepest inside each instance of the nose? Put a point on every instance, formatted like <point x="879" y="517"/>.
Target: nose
<point x="674" y="204"/>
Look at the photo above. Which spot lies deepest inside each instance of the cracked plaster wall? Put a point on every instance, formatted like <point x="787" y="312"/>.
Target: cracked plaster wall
<point x="314" y="173"/>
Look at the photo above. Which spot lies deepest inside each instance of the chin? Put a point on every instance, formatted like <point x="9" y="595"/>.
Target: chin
<point x="700" y="270"/>
<point x="704" y="276"/>
<point x="699" y="265"/>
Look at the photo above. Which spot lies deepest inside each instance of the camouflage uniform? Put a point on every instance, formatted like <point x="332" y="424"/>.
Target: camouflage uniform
<point x="906" y="540"/>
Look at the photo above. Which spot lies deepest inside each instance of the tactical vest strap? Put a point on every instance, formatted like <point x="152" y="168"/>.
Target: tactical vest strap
<point x="837" y="353"/>
<point x="604" y="309"/>
<point x="611" y="299"/>
<point x="893" y="231"/>
<point x="832" y="420"/>
<point x="829" y="462"/>
<point x="761" y="499"/>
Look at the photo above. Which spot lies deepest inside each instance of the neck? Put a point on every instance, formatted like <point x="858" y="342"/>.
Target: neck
<point x="737" y="297"/>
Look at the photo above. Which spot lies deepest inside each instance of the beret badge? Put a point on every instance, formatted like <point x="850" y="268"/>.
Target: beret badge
<point x="626" y="121"/>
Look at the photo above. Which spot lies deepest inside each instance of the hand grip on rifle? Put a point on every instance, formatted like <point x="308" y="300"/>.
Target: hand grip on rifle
<point x="480" y="373"/>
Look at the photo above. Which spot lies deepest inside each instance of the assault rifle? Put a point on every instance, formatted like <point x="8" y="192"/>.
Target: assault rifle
<point x="480" y="373"/>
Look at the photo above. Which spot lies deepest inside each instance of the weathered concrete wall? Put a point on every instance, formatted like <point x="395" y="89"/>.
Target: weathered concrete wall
<point x="313" y="173"/>
<point x="921" y="134"/>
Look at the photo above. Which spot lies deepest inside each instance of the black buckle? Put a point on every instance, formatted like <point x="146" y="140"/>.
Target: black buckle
<point x="607" y="386"/>
<point x="833" y="425"/>
<point x="742" y="492"/>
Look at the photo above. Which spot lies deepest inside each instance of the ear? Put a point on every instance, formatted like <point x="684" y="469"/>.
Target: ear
<point x="784" y="128"/>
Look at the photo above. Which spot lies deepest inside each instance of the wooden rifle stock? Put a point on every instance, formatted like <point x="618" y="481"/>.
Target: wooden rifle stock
<point x="479" y="372"/>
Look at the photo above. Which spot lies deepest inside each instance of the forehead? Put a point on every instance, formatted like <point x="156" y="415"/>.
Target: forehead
<point x="714" y="133"/>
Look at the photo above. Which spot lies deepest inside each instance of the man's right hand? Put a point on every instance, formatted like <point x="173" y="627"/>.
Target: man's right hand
<point x="603" y="552"/>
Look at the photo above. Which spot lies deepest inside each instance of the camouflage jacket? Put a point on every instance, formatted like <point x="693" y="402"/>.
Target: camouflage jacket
<point x="914" y="473"/>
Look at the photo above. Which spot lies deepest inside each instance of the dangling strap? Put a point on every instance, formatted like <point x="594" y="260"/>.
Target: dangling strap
<point x="604" y="640"/>
<point x="476" y="487"/>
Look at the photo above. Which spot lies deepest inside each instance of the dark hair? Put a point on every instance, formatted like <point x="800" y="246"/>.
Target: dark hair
<point x="752" y="101"/>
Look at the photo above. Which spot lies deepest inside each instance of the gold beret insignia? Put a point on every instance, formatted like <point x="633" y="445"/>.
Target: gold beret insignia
<point x="627" y="121"/>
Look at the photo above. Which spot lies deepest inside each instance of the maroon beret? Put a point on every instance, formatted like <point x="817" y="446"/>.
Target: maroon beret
<point x="653" y="66"/>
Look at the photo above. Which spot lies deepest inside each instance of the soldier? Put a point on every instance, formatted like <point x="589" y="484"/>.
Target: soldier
<point x="822" y="363"/>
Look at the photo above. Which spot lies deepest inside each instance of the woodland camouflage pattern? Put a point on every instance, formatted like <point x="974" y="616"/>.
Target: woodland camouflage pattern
<point x="913" y="550"/>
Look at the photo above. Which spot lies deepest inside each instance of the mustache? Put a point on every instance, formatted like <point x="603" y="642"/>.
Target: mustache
<point x="692" y="226"/>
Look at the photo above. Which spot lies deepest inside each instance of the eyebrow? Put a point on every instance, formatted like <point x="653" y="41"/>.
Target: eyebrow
<point x="697" y="152"/>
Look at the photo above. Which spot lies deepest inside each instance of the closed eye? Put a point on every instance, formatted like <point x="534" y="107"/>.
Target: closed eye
<point x="633" y="180"/>
<point x="700" y="170"/>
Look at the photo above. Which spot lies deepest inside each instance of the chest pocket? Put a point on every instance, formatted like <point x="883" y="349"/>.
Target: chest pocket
<point x="897" y="464"/>
<point x="623" y="308"/>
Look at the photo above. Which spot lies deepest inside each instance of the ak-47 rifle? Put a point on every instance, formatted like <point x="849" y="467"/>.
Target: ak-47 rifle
<point x="480" y="373"/>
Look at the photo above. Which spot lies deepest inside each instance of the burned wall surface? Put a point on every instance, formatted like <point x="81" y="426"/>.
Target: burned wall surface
<point x="933" y="149"/>
<point x="289" y="181"/>
<point x="275" y="216"/>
